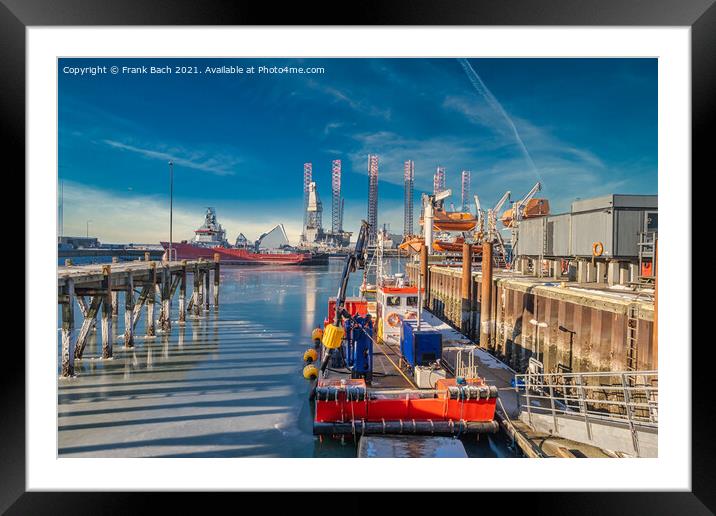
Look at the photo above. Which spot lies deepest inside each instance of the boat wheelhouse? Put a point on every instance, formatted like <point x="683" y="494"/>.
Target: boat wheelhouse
<point x="396" y="302"/>
<point x="210" y="233"/>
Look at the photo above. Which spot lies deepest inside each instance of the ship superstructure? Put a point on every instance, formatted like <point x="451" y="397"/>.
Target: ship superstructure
<point x="210" y="233"/>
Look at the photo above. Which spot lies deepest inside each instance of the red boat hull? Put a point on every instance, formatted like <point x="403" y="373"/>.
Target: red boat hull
<point x="184" y="251"/>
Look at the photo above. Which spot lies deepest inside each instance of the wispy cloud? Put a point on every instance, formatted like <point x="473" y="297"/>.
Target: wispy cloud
<point x="219" y="165"/>
<point x="496" y="106"/>
<point x="349" y="99"/>
<point x="332" y="126"/>
<point x="563" y="168"/>
<point x="394" y="149"/>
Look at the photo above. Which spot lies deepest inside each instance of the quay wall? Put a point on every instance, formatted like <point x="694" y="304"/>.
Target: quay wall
<point x="586" y="330"/>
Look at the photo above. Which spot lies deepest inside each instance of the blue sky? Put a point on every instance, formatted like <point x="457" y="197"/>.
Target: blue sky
<point x="239" y="141"/>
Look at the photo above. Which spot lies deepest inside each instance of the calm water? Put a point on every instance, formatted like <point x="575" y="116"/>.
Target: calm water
<point x="228" y="384"/>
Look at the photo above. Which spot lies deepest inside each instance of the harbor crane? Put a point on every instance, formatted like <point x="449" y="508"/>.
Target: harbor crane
<point x="430" y="203"/>
<point x="493" y="235"/>
<point x="333" y="333"/>
<point x="480" y="217"/>
<point x="512" y="217"/>
<point x="519" y="207"/>
<point x="492" y="215"/>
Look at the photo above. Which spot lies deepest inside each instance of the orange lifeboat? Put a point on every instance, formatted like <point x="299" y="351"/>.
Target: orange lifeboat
<point x="412" y="244"/>
<point x="453" y="221"/>
<point x="454" y="246"/>
<point x="533" y="208"/>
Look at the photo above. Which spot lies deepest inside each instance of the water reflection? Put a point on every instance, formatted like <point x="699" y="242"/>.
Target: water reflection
<point x="226" y="384"/>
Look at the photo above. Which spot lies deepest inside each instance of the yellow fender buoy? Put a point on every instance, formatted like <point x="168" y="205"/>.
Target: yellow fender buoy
<point x="310" y="372"/>
<point x="317" y="334"/>
<point x="332" y="337"/>
<point x="311" y="355"/>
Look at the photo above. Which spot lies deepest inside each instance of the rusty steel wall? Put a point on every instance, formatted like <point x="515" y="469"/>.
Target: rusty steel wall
<point x="579" y="337"/>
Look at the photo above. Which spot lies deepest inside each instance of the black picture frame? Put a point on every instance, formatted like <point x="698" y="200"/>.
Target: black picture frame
<point x="700" y="15"/>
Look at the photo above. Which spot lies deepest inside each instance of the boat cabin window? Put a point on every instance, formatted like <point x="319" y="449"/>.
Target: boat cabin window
<point x="412" y="301"/>
<point x="392" y="301"/>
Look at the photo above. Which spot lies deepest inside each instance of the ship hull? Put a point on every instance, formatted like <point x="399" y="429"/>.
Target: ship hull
<point x="182" y="251"/>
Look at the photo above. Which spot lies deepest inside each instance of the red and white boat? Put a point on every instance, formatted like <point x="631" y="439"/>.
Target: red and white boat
<point x="210" y="239"/>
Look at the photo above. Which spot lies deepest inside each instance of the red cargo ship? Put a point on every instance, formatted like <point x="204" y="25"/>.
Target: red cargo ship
<point x="210" y="239"/>
<point x="234" y="256"/>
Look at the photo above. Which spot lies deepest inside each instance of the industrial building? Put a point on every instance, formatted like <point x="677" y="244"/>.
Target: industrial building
<point x="603" y="235"/>
<point x="70" y="242"/>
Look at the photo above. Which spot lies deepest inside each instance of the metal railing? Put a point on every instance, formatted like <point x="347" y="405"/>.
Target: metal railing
<point x="465" y="365"/>
<point x="628" y="397"/>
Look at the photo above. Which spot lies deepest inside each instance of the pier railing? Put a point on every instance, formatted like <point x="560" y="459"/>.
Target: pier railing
<point x="627" y="397"/>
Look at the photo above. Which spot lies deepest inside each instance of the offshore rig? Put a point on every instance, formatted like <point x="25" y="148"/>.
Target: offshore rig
<point x="313" y="234"/>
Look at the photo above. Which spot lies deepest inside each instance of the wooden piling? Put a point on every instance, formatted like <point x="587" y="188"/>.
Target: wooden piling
<point x="486" y="297"/>
<point x="107" y="312"/>
<point x="196" y="294"/>
<point x="68" y="325"/>
<point x="465" y="287"/>
<point x="115" y="304"/>
<point x="89" y="320"/>
<point x="151" y="299"/>
<point x="217" y="258"/>
<point x="206" y="288"/>
<point x="166" y="320"/>
<point x="84" y="310"/>
<point x="129" y="311"/>
<point x="182" y="293"/>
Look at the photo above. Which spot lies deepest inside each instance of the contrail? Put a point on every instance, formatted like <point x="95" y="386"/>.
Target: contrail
<point x="495" y="105"/>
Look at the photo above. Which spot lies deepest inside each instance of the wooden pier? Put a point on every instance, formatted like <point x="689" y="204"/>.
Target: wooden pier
<point x="142" y="282"/>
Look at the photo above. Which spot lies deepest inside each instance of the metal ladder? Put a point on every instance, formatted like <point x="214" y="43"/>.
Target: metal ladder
<point x="632" y="340"/>
<point x="647" y="243"/>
